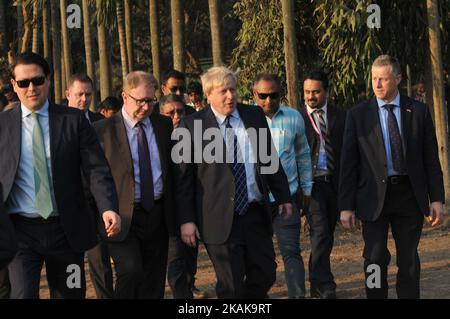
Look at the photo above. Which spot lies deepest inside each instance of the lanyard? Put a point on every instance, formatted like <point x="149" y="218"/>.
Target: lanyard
<point x="314" y="124"/>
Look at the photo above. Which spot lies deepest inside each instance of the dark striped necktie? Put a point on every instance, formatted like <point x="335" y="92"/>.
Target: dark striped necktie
<point x="395" y="140"/>
<point x="326" y="139"/>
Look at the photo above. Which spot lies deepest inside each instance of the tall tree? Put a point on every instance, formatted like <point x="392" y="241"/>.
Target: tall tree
<point x="129" y="33"/>
<point x="88" y="51"/>
<point x="45" y="37"/>
<point x="290" y="52"/>
<point x="154" y="39"/>
<point x="105" y="78"/>
<point x="178" y="34"/>
<point x="3" y="38"/>
<point x="26" y="28"/>
<point x="65" y="41"/>
<point x="440" y="111"/>
<point x="122" y="38"/>
<point x="216" y="36"/>
<point x="35" y="24"/>
<point x="56" y="52"/>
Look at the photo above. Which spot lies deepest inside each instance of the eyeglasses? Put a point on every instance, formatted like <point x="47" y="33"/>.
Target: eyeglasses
<point x="23" y="84"/>
<point x="174" y="89"/>
<point x="172" y="113"/>
<point x="142" y="102"/>
<point x="273" y="96"/>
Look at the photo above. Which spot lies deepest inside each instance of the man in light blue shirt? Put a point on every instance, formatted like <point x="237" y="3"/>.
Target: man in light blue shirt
<point x="288" y="132"/>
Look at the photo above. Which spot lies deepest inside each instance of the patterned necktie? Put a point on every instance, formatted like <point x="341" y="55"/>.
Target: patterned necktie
<point x="145" y="170"/>
<point x="44" y="202"/>
<point x="395" y="141"/>
<point x="238" y="168"/>
<point x="326" y="139"/>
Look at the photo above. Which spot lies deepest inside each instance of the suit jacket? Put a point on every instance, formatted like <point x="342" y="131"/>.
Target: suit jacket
<point x="8" y="243"/>
<point x="94" y="117"/>
<point x="335" y="127"/>
<point x="73" y="145"/>
<point x="114" y="141"/>
<point x="364" y="164"/>
<point x="205" y="191"/>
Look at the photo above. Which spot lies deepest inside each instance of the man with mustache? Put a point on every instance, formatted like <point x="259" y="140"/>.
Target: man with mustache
<point x="324" y="130"/>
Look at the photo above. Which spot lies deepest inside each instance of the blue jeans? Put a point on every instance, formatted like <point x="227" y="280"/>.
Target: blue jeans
<point x="288" y="237"/>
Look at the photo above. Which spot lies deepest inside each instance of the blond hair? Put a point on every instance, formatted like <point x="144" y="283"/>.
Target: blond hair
<point x="215" y="77"/>
<point x="386" y="60"/>
<point x="137" y="78"/>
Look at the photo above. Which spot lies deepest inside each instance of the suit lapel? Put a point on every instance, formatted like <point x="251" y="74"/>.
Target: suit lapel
<point x="159" y="133"/>
<point x="56" y="123"/>
<point x="122" y="141"/>
<point x="15" y="133"/>
<point x="406" y="117"/>
<point x="331" y="118"/>
<point x="373" y="121"/>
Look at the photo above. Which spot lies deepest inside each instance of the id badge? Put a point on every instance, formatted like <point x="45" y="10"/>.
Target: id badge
<point x="322" y="161"/>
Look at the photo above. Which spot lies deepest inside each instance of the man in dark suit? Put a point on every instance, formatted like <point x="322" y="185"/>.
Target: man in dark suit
<point x="324" y="124"/>
<point x="44" y="149"/>
<point x="225" y="202"/>
<point x="390" y="176"/>
<point x="137" y="144"/>
<point x="79" y="95"/>
<point x="8" y="248"/>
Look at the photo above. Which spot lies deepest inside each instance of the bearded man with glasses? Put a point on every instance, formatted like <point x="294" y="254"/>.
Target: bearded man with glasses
<point x="137" y="145"/>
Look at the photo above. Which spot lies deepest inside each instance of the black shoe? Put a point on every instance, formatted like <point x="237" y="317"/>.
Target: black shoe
<point x="198" y="294"/>
<point x="323" y="293"/>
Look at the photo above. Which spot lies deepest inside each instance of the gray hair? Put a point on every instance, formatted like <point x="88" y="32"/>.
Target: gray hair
<point x="386" y="60"/>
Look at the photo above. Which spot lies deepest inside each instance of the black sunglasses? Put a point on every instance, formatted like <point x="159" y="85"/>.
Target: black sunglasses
<point x="273" y="96"/>
<point x="174" y="89"/>
<point x="26" y="83"/>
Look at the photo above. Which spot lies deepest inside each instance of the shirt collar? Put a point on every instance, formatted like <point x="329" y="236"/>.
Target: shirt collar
<point x="221" y="118"/>
<point x="395" y="101"/>
<point x="43" y="111"/>
<point x="131" y="123"/>
<point x="311" y="110"/>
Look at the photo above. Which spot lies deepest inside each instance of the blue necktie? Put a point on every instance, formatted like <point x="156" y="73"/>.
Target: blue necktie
<point x="145" y="170"/>
<point x="240" y="177"/>
<point x="395" y="141"/>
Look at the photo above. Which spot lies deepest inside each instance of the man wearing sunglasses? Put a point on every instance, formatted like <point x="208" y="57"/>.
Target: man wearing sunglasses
<point x="324" y="130"/>
<point x="45" y="147"/>
<point x="288" y="133"/>
<point x="174" y="82"/>
<point x="137" y="144"/>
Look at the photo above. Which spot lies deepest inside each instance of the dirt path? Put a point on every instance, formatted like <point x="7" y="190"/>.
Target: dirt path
<point x="347" y="265"/>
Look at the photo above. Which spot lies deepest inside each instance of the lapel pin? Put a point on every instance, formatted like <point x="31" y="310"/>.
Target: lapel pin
<point x="408" y="110"/>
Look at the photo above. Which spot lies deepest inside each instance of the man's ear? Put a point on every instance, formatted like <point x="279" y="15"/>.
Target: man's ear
<point x="67" y="94"/>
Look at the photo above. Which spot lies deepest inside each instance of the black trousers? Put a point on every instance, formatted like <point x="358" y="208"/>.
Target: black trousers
<point x="42" y="241"/>
<point x="245" y="264"/>
<point x="182" y="267"/>
<point x="100" y="270"/>
<point x="402" y="213"/>
<point x="322" y="217"/>
<point x="140" y="261"/>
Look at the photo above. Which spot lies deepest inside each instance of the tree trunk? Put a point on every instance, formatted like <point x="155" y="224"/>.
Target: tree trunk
<point x="408" y="80"/>
<point x="66" y="44"/>
<point x="155" y="43"/>
<point x="105" y="84"/>
<point x="3" y="38"/>
<point x="122" y="39"/>
<point x="216" y="38"/>
<point x="177" y="35"/>
<point x="19" y="25"/>
<point x="35" y="45"/>
<point x="64" y="82"/>
<point x="129" y="33"/>
<point x="440" y="111"/>
<point x="290" y="52"/>
<point x="88" y="52"/>
<point x="26" y="28"/>
<point x="45" y="38"/>
<point x="56" y="52"/>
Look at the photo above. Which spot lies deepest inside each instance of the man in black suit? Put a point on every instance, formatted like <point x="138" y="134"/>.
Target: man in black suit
<point x="390" y="176"/>
<point x="137" y="144"/>
<point x="324" y="124"/>
<point x="79" y="95"/>
<point x="225" y="201"/>
<point x="44" y="149"/>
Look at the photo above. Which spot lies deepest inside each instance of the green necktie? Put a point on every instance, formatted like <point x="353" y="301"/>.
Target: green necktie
<point x="44" y="203"/>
